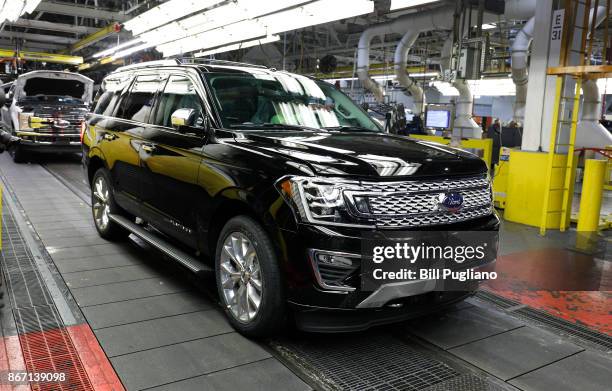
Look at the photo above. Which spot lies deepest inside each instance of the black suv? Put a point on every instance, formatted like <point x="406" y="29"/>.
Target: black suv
<point x="273" y="177"/>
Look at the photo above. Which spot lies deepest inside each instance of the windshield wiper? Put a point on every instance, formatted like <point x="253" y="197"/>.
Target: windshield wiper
<point x="269" y="125"/>
<point x="349" y="128"/>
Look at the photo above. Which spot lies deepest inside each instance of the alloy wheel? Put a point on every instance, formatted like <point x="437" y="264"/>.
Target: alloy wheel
<point x="240" y="277"/>
<point x="101" y="207"/>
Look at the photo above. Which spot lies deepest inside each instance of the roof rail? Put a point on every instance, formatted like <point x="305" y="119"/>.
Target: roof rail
<point x="149" y="64"/>
<point x="203" y="61"/>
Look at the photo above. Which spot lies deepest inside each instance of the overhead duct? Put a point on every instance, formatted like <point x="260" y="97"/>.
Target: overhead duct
<point x="401" y="54"/>
<point x="590" y="132"/>
<point x="520" y="48"/>
<point x="464" y="125"/>
<point x="440" y="18"/>
<point x="520" y="9"/>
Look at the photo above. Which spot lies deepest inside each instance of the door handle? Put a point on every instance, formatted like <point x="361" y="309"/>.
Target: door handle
<point x="109" y="136"/>
<point x="148" y="148"/>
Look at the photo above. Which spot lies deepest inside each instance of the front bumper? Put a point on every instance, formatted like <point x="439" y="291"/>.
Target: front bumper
<point x="50" y="146"/>
<point x="306" y="291"/>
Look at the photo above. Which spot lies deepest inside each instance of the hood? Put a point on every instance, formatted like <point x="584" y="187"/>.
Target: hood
<point x="56" y="84"/>
<point x="362" y="154"/>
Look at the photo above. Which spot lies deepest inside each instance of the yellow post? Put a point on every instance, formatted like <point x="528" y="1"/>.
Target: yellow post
<point x="592" y="192"/>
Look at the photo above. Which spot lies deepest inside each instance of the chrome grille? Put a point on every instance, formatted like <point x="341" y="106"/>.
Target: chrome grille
<point x="405" y="204"/>
<point x="415" y="203"/>
<point x="74" y="118"/>
<point x="430" y="219"/>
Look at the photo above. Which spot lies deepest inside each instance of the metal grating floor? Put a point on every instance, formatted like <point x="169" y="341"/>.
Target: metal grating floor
<point x="591" y="337"/>
<point x="380" y="362"/>
<point x="45" y="343"/>
<point x="466" y="382"/>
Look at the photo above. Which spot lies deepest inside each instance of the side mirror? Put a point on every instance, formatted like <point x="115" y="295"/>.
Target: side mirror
<point x="183" y="117"/>
<point x="190" y="121"/>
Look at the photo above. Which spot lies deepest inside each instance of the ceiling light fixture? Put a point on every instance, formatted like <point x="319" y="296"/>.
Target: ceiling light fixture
<point x="109" y="51"/>
<point x="165" y="13"/>
<point x="13" y="9"/>
<point x="397" y="4"/>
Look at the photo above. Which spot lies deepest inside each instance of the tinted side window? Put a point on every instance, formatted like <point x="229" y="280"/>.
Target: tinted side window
<point x="112" y="91"/>
<point x="137" y="106"/>
<point x="179" y="93"/>
<point x="101" y="101"/>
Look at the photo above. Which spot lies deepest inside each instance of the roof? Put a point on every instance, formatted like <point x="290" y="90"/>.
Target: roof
<point x="197" y="62"/>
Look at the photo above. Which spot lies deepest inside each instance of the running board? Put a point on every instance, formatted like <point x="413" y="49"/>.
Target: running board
<point x="188" y="261"/>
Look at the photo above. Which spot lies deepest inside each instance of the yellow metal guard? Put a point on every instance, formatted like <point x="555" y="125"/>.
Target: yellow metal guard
<point x="592" y="194"/>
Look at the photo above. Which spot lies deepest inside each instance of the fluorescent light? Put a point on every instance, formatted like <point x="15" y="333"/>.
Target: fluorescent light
<point x="315" y="13"/>
<point x="492" y="87"/>
<point x="424" y="74"/>
<point x="127" y="52"/>
<point x="109" y="51"/>
<point x="488" y="26"/>
<point x="166" y="12"/>
<point x="483" y="87"/>
<point x="318" y="12"/>
<point x="397" y="4"/>
<point x="240" y="20"/>
<point x="13" y="9"/>
<point x="236" y="46"/>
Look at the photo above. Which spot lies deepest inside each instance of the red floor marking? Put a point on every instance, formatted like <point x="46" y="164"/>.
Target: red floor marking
<point x="98" y="367"/>
<point x="73" y="350"/>
<point x="573" y="286"/>
<point x="590" y="309"/>
<point x="11" y="359"/>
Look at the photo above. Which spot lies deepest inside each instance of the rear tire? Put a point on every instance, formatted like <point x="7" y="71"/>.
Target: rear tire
<point x="249" y="278"/>
<point x="103" y="204"/>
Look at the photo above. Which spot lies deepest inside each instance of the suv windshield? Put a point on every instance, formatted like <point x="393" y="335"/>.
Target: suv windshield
<point x="258" y="100"/>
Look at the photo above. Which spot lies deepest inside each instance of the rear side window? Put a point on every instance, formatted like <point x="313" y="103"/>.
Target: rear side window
<point x="109" y="94"/>
<point x="101" y="102"/>
<point x="139" y="102"/>
<point x="179" y="93"/>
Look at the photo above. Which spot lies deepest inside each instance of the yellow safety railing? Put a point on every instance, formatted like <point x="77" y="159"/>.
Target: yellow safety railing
<point x="485" y="145"/>
<point x="608" y="180"/>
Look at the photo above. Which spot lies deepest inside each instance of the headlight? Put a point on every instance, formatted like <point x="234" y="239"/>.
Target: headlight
<point x="24" y="120"/>
<point x="321" y="200"/>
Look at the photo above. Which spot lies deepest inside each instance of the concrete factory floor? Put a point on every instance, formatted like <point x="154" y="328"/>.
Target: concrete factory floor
<point x="117" y="316"/>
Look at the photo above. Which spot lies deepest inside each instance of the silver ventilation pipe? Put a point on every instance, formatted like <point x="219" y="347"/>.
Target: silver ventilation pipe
<point x="520" y="49"/>
<point x="401" y="54"/>
<point x="589" y="132"/>
<point x="440" y="18"/>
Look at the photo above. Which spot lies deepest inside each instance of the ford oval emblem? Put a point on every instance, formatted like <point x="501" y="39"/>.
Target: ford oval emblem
<point x="61" y="123"/>
<point x="450" y="202"/>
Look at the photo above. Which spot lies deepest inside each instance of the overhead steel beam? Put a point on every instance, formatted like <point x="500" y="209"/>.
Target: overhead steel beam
<point x="82" y="11"/>
<point x="36" y="46"/>
<point x="99" y="35"/>
<point x="42" y="57"/>
<point x="43" y="25"/>
<point x="39" y="37"/>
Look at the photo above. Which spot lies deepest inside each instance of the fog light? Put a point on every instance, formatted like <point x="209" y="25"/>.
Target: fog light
<point x="334" y="260"/>
<point x="332" y="269"/>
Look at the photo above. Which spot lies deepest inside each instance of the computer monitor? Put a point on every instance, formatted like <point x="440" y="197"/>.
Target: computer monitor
<point x="438" y="119"/>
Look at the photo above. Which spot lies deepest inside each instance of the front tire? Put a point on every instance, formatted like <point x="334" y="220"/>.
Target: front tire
<point x="102" y="205"/>
<point x="18" y="154"/>
<point x="249" y="279"/>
